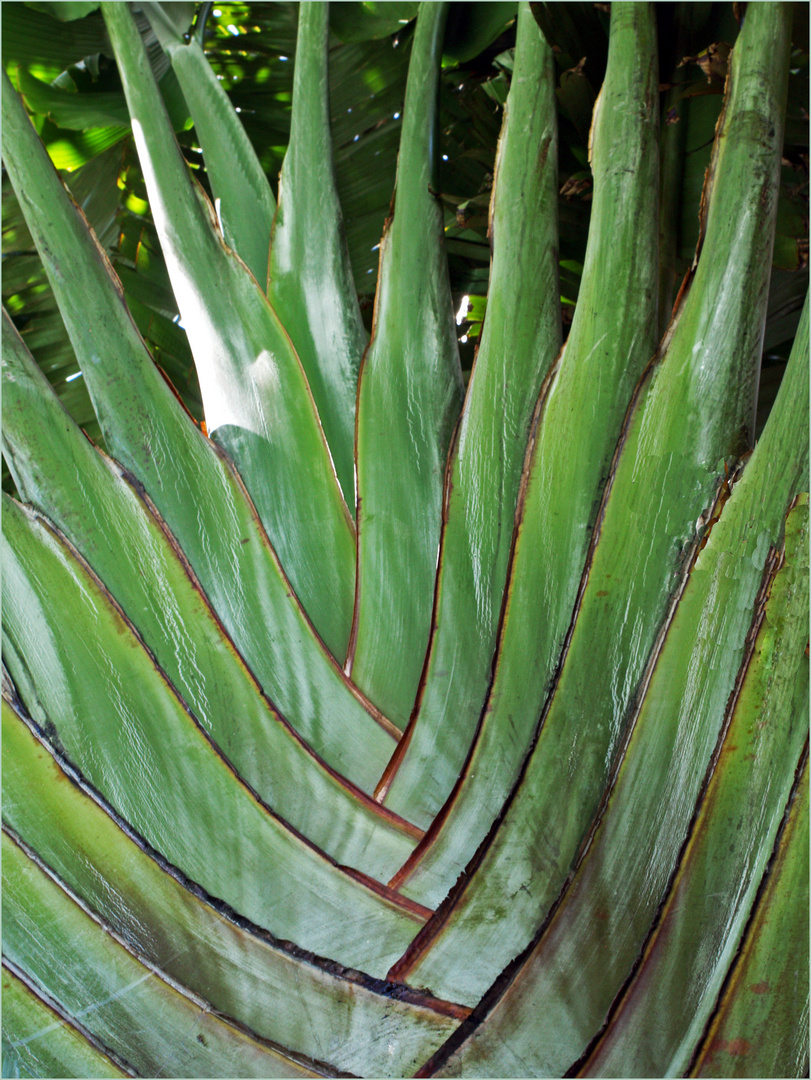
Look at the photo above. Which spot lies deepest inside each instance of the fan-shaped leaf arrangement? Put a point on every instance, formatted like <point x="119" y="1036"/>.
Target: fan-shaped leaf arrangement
<point x="381" y="727"/>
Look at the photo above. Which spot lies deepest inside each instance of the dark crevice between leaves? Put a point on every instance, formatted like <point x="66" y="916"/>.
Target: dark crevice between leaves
<point x="12" y="697"/>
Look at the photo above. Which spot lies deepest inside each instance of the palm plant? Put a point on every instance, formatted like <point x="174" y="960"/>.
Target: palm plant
<point x="380" y="726"/>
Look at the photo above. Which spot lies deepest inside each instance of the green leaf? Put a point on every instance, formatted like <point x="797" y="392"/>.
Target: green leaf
<point x="694" y="944"/>
<point x="56" y="469"/>
<point x="665" y="477"/>
<point x="247" y="366"/>
<point x="80" y="111"/>
<point x="71" y="150"/>
<point x="354" y="21"/>
<point x="310" y="281"/>
<point x="169" y="22"/>
<point x="612" y="338"/>
<point x="38" y="1041"/>
<point x="756" y="1028"/>
<point x="245" y="205"/>
<point x="92" y="975"/>
<point x="70" y="109"/>
<point x="520" y="341"/>
<point x="270" y="986"/>
<point x="194" y="488"/>
<point x="96" y="192"/>
<point x="366" y="92"/>
<point x="604" y="909"/>
<point x="409" y="396"/>
<point x="45" y="46"/>
<point x="155" y="754"/>
<point x="66" y="11"/>
<point x="598" y="640"/>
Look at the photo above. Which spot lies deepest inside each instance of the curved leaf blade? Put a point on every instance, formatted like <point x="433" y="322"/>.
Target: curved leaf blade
<point x="519" y="341"/>
<point x="409" y="394"/>
<point x="191" y="483"/>
<point x="38" y="1041"/>
<point x="310" y="277"/>
<point x="92" y="975"/>
<point x="711" y="899"/>
<point x="245" y="200"/>
<point x="270" y="986"/>
<point x="611" y="339"/>
<point x="598" y="922"/>
<point x="756" y="1028"/>
<point x="661" y="494"/>
<point x="256" y="398"/>
<point x="112" y="525"/>
<point x="135" y="740"/>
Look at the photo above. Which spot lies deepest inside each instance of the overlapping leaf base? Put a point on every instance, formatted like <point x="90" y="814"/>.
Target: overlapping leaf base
<point x="495" y="766"/>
